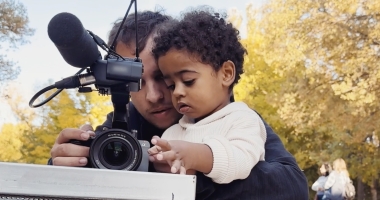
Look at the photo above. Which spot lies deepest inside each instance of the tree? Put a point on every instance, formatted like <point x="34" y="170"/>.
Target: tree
<point x="10" y="142"/>
<point x="321" y="73"/>
<point x="14" y="28"/>
<point x="30" y="139"/>
<point x="67" y="110"/>
<point x="99" y="107"/>
<point x="12" y="134"/>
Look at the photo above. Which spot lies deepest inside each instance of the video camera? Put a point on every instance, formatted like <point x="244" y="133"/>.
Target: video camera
<point x="115" y="148"/>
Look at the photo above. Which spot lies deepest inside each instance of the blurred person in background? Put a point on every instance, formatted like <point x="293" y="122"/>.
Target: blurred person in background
<point x="336" y="181"/>
<point x="319" y="184"/>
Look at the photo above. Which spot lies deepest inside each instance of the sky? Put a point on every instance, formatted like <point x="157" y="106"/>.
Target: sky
<point x="40" y="60"/>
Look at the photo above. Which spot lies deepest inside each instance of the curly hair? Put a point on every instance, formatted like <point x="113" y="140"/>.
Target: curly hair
<point x="147" y="23"/>
<point x="205" y="35"/>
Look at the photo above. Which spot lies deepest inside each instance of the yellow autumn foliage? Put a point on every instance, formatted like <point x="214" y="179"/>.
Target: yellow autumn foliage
<point x="313" y="72"/>
<point x="31" y="138"/>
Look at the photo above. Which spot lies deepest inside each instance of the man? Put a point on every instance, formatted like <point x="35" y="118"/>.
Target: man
<point x="278" y="177"/>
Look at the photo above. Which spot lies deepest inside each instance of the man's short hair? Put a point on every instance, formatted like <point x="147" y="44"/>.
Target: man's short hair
<point x="147" y="23"/>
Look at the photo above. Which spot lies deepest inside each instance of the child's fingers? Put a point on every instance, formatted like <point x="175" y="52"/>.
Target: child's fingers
<point x="153" y="158"/>
<point x="162" y="167"/>
<point x="173" y="170"/>
<point x="154" y="139"/>
<point x="167" y="155"/>
<point x="164" y="144"/>
<point x="154" y="150"/>
<point x="182" y="170"/>
<point x="176" y="166"/>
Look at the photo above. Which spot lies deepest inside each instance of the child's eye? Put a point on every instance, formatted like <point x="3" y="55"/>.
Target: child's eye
<point x="188" y="83"/>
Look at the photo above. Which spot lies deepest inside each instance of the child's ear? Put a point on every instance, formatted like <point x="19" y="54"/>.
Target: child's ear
<point x="227" y="73"/>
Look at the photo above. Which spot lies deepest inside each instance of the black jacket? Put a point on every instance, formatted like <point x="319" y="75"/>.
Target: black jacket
<point x="278" y="177"/>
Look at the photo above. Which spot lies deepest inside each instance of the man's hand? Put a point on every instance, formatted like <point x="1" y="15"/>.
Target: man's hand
<point x="176" y="153"/>
<point x="67" y="154"/>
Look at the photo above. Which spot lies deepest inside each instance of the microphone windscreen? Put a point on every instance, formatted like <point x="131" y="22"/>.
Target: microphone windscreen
<point x="73" y="42"/>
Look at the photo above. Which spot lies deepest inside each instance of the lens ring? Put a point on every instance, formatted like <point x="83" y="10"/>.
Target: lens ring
<point x="108" y="154"/>
<point x="115" y="135"/>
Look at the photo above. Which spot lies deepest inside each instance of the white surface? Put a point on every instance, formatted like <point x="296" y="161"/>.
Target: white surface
<point x="53" y="181"/>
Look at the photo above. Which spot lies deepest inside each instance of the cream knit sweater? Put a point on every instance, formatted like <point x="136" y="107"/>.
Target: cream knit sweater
<point x="235" y="134"/>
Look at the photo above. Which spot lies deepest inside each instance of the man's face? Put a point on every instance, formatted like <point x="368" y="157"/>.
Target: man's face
<point x="153" y="101"/>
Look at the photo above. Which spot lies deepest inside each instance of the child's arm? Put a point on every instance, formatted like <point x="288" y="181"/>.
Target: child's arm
<point x="237" y="152"/>
<point x="181" y="155"/>
<point x="223" y="158"/>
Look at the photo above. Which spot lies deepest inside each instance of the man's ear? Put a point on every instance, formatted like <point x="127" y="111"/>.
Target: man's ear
<point x="227" y="72"/>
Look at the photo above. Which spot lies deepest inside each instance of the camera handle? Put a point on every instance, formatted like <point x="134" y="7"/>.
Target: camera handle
<point x="120" y="98"/>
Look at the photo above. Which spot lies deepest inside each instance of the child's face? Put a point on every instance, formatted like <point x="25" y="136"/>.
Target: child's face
<point x="197" y="89"/>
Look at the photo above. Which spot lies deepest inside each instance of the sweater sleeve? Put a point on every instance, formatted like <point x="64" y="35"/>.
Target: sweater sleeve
<point x="175" y="132"/>
<point x="317" y="184"/>
<point x="276" y="178"/>
<point x="237" y="152"/>
<point x="330" y="180"/>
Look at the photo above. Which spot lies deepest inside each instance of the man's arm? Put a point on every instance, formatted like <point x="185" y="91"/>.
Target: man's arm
<point x="278" y="177"/>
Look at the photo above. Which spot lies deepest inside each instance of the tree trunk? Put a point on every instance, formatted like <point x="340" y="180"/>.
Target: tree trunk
<point x="373" y="189"/>
<point x="360" y="189"/>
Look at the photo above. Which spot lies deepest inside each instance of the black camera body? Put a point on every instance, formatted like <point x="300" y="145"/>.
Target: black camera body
<point x="116" y="149"/>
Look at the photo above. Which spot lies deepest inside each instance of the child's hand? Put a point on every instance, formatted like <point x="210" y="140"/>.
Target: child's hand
<point x="160" y="165"/>
<point x="177" y="153"/>
<point x="153" y="151"/>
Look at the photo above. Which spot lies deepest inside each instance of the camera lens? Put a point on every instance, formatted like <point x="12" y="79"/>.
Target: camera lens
<point x="116" y="153"/>
<point x="115" y="149"/>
